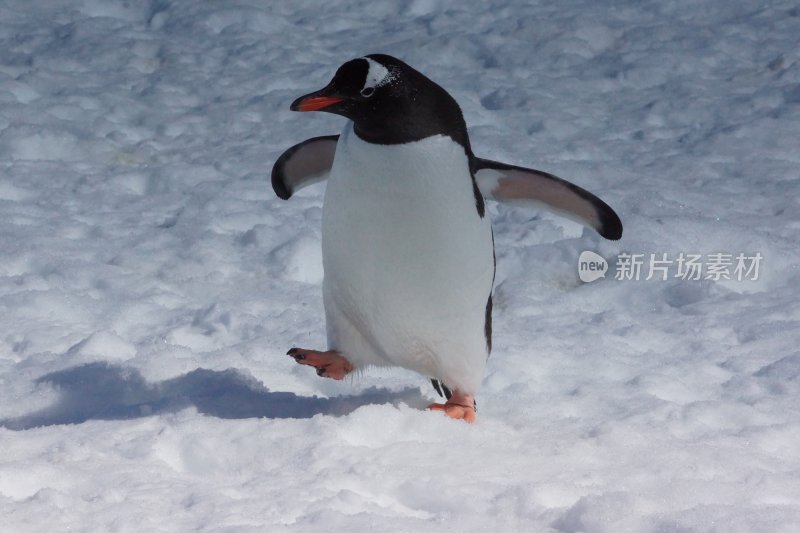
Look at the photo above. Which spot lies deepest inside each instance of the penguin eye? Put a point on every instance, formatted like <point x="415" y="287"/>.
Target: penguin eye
<point x="366" y="92"/>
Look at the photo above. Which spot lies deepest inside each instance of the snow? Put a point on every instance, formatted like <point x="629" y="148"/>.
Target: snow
<point x="151" y="282"/>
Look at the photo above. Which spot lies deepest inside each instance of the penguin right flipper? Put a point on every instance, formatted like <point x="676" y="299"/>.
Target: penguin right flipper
<point x="510" y="183"/>
<point x="303" y="164"/>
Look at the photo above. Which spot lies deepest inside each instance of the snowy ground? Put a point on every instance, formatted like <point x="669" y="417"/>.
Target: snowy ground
<point x="151" y="283"/>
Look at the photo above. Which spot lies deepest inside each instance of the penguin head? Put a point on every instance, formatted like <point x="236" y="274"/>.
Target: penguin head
<point x="388" y="101"/>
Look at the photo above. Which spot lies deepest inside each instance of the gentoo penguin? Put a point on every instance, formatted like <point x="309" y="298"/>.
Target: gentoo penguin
<point x="407" y="245"/>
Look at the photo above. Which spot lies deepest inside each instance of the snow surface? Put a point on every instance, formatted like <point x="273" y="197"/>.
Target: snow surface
<point x="151" y="282"/>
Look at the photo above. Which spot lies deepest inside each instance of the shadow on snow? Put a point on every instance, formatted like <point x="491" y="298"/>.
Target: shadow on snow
<point x="100" y="391"/>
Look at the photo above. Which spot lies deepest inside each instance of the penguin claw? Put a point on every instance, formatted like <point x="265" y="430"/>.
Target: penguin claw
<point x="295" y="353"/>
<point x="330" y="364"/>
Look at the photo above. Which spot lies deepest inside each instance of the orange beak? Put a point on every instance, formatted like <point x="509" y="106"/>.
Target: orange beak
<point x="314" y="103"/>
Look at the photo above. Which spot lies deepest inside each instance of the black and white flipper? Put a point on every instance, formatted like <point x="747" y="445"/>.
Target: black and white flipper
<point x="303" y="164"/>
<point x="527" y="186"/>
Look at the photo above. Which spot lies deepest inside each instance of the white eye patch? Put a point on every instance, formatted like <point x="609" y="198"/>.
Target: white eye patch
<point x="377" y="75"/>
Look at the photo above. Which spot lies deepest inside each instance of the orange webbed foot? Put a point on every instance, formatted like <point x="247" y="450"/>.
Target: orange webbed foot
<point x="330" y="364"/>
<point x="460" y="406"/>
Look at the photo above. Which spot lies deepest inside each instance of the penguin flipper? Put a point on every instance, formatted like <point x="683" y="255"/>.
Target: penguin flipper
<point x="303" y="164"/>
<point x="508" y="183"/>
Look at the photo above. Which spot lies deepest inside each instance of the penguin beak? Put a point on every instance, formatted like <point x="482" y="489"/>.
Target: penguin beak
<point x="315" y="101"/>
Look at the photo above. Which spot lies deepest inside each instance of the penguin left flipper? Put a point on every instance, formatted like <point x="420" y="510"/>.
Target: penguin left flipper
<point x="512" y="184"/>
<point x="303" y="164"/>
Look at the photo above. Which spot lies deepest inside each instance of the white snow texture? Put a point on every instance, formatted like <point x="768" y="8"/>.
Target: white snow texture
<point x="151" y="282"/>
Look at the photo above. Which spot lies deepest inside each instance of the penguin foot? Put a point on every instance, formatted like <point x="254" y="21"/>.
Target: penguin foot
<point x="330" y="364"/>
<point x="460" y="406"/>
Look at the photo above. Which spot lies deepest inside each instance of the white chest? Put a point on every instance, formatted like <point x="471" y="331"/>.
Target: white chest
<point x="408" y="261"/>
<point x="403" y="216"/>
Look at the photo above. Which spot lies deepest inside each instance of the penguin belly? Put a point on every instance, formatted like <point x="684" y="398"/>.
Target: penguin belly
<point x="408" y="260"/>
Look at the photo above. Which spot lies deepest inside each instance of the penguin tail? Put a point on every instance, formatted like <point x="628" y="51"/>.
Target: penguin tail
<point x="441" y="389"/>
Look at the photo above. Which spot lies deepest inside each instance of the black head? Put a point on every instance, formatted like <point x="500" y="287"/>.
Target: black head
<point x="389" y="102"/>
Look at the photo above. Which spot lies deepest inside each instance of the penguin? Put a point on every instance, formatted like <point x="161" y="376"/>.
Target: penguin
<point x="407" y="244"/>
